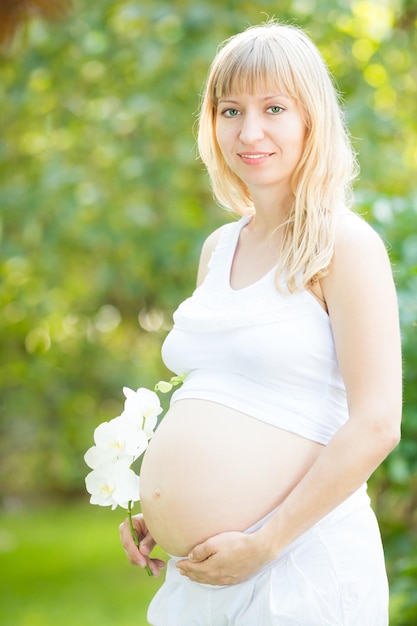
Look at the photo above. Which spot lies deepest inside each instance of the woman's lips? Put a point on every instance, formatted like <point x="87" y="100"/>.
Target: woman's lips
<point x="255" y="158"/>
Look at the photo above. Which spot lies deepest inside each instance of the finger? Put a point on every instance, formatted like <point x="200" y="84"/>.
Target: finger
<point x="139" y="525"/>
<point x="122" y="529"/>
<point x="188" y="568"/>
<point x="201" y="553"/>
<point x="135" y="557"/>
<point x="126" y="536"/>
<point x="133" y="554"/>
<point x="147" y="544"/>
<point x="155" y="565"/>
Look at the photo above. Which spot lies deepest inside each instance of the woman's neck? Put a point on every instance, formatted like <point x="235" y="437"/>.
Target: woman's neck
<point x="272" y="211"/>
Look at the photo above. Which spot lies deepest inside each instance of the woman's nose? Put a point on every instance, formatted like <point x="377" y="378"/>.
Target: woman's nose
<point x="251" y="129"/>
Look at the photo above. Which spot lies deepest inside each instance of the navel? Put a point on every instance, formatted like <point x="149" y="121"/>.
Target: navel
<point x="156" y="494"/>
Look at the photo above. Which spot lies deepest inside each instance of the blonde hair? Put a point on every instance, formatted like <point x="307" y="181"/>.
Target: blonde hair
<point x="257" y="61"/>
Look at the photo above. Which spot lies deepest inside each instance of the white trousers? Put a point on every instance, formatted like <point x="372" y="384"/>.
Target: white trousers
<point x="333" y="575"/>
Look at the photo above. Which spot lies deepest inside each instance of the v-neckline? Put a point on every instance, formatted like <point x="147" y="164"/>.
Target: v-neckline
<point x="244" y="221"/>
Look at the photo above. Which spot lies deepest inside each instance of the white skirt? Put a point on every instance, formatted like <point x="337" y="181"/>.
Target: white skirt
<point x="333" y="575"/>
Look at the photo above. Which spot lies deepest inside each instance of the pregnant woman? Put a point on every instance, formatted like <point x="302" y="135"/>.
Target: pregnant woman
<point x="255" y="481"/>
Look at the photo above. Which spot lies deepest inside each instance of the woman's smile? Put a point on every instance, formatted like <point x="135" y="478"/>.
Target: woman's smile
<point x="255" y="158"/>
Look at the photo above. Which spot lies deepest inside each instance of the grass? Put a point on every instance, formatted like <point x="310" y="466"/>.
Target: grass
<point x="65" y="565"/>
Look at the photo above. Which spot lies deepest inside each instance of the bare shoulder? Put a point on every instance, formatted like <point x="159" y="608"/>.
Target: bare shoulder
<point x="354" y="232"/>
<point x="206" y="251"/>
<point x="360" y="268"/>
<point x="358" y="247"/>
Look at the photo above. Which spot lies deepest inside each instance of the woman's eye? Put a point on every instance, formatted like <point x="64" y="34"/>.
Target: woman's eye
<point x="230" y="112"/>
<point x="276" y="109"/>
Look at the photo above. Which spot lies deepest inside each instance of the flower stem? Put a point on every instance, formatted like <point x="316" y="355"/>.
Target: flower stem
<point x="133" y="532"/>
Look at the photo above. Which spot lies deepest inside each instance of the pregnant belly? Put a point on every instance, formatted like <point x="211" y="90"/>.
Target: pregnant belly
<point x="210" y="469"/>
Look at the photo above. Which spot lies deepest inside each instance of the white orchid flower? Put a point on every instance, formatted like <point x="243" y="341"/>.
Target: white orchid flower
<point x="142" y="407"/>
<point x="114" y="484"/>
<point x="118" y="439"/>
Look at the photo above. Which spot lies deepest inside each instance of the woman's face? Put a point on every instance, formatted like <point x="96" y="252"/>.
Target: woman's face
<point x="261" y="138"/>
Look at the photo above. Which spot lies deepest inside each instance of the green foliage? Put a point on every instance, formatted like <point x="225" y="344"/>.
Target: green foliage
<point x="104" y="206"/>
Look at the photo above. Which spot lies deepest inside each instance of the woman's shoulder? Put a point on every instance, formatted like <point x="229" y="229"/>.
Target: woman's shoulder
<point x="360" y="256"/>
<point x="356" y="239"/>
<point x="209" y="245"/>
<point x="223" y="238"/>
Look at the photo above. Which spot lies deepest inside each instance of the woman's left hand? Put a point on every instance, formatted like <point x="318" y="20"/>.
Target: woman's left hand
<point x="225" y="559"/>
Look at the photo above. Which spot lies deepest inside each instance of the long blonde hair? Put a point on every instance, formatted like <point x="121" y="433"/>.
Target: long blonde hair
<point x="257" y="61"/>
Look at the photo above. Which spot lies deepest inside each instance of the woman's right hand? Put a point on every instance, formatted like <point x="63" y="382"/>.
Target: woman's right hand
<point x="140" y="555"/>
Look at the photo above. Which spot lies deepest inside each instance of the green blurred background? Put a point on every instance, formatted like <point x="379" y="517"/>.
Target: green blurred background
<point x="104" y="206"/>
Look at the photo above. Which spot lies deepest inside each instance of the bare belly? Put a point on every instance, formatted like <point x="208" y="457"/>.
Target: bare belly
<point x="210" y="469"/>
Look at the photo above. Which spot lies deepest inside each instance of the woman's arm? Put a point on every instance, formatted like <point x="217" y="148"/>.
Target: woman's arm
<point x="362" y="304"/>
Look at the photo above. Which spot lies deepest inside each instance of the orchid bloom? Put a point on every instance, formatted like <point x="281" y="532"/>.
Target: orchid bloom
<point x="117" y="439"/>
<point x="142" y="407"/>
<point x="114" y="484"/>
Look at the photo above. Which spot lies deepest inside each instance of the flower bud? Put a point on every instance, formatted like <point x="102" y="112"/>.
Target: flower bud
<point x="163" y="386"/>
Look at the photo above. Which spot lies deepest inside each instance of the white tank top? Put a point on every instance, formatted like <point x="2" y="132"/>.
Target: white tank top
<point x="267" y="354"/>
